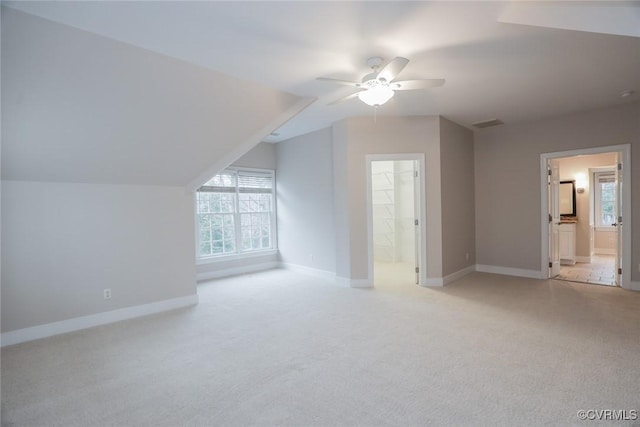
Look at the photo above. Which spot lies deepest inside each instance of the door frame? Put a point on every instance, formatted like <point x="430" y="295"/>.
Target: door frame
<point x="624" y="157"/>
<point x="422" y="256"/>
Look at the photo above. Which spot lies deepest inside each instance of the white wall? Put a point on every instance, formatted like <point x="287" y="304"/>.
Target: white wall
<point x="88" y="120"/>
<point x="62" y="244"/>
<point x="306" y="233"/>
<point x="80" y="107"/>
<point x="507" y="173"/>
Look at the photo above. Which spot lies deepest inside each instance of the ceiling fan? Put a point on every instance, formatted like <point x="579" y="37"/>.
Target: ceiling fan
<point x="379" y="86"/>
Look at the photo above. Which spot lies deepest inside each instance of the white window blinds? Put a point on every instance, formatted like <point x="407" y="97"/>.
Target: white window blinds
<point x="255" y="182"/>
<point x="245" y="181"/>
<point x="224" y="182"/>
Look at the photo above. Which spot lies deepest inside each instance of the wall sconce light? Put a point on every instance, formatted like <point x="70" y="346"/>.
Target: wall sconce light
<point x="581" y="182"/>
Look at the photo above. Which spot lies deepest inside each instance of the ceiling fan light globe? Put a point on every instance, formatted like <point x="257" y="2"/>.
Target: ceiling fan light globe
<point x="376" y="96"/>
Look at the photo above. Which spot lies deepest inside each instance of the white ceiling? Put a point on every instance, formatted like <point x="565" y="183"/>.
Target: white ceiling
<point x="516" y="62"/>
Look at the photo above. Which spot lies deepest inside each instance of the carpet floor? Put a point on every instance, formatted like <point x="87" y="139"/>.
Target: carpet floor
<point x="281" y="348"/>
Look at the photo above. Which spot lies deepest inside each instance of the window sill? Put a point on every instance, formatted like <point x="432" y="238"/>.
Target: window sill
<point x="232" y="257"/>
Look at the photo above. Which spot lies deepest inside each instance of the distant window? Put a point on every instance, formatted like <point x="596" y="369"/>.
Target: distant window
<point x="605" y="199"/>
<point x="236" y="213"/>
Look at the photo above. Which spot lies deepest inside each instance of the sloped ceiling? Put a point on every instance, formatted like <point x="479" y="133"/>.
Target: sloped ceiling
<point x="615" y="17"/>
<point x="516" y="61"/>
<point x="78" y="107"/>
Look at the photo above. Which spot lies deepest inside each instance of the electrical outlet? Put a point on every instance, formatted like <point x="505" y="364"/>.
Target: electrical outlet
<point x="107" y="293"/>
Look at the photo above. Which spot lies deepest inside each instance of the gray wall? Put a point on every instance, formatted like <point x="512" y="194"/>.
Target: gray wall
<point x="306" y="233"/>
<point x="353" y="139"/>
<point x="262" y="156"/>
<point x="62" y="244"/>
<point x="458" y="197"/>
<point x="507" y="173"/>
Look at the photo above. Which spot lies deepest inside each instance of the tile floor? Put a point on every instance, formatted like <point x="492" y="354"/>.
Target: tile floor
<point x="394" y="274"/>
<point x="601" y="271"/>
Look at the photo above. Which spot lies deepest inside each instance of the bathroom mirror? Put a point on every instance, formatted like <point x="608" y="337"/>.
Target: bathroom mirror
<point x="568" y="198"/>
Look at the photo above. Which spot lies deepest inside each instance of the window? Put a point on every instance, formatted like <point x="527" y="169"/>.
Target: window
<point x="605" y="199"/>
<point x="236" y="213"/>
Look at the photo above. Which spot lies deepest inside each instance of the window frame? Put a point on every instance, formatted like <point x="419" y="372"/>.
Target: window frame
<point x="597" y="199"/>
<point x="238" y="254"/>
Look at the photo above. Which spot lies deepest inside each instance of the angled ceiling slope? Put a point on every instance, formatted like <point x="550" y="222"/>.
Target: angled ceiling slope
<point x="83" y="108"/>
<point x="619" y="18"/>
<point x="517" y="61"/>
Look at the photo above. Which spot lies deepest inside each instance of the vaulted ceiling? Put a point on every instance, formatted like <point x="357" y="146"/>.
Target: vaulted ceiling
<point x="515" y="61"/>
<point x="78" y="107"/>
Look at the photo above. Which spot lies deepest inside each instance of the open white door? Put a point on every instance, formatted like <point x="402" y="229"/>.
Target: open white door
<point x="553" y="168"/>
<point x="416" y="216"/>
<point x="618" y="224"/>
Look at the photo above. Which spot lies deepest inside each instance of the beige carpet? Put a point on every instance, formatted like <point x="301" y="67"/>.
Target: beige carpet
<point x="280" y="348"/>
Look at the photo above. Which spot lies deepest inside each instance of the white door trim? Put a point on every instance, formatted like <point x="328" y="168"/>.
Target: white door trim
<point x="624" y="152"/>
<point x="422" y="261"/>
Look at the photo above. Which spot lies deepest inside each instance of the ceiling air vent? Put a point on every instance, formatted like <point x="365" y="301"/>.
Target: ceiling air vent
<point x="488" y="123"/>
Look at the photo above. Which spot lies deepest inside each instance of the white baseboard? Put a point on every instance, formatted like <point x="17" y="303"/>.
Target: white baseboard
<point x="458" y="274"/>
<point x="84" y="322"/>
<point x="329" y="275"/>
<point x="234" y="271"/>
<point x="361" y="283"/>
<point x="586" y="259"/>
<point x="324" y="274"/>
<point x="634" y="286"/>
<point x="604" y="251"/>
<point x="508" y="271"/>
<point x="354" y="283"/>
<point x="433" y="281"/>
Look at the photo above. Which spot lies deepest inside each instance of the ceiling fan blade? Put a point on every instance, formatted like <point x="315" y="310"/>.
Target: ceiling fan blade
<point x="346" y="98"/>
<point x="416" y="84"/>
<point x="392" y="69"/>
<point x="340" y="82"/>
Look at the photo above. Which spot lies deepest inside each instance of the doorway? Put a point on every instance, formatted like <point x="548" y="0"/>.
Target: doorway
<point x="395" y="237"/>
<point x="587" y="197"/>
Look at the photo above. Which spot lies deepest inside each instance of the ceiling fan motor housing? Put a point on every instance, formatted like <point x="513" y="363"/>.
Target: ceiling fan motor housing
<point x="375" y="62"/>
<point x="370" y="81"/>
